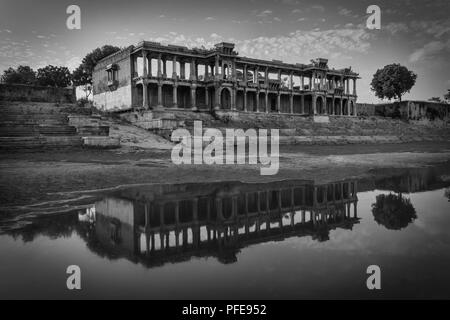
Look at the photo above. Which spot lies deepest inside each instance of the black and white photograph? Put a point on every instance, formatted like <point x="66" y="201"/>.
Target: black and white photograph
<point x="224" y="152"/>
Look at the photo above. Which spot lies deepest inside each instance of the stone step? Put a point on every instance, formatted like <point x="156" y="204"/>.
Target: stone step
<point x="26" y="130"/>
<point x="39" y="143"/>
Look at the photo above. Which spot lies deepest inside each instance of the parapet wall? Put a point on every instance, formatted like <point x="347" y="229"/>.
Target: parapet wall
<point x="407" y="110"/>
<point x="20" y="92"/>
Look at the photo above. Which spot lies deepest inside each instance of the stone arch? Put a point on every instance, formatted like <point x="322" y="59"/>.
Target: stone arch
<point x="345" y="107"/>
<point x="262" y="102"/>
<point x="251" y="101"/>
<point x="337" y="106"/>
<point x="329" y="103"/>
<point x="225" y="98"/>
<point x="212" y="97"/>
<point x="320" y="107"/>
<point x="352" y="108"/>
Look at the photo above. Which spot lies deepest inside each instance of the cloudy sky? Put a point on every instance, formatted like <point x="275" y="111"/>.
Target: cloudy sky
<point x="413" y="33"/>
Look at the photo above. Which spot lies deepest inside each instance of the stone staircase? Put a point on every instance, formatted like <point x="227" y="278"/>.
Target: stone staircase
<point x="40" y="126"/>
<point x="296" y="129"/>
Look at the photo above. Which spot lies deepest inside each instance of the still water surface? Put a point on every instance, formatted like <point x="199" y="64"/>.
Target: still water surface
<point x="280" y="240"/>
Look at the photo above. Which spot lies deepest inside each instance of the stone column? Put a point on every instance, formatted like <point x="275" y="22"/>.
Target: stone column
<point x="244" y="76"/>
<point x="233" y="99"/>
<point x="267" y="78"/>
<point x="267" y="101"/>
<point x="341" y="106"/>
<point x="174" y="68"/>
<point x="291" y="81"/>
<point x="354" y="86"/>
<point x="332" y="105"/>
<point x="175" y="96"/>
<point x="217" y="98"/>
<point x="302" y="79"/>
<point x="192" y="71"/>
<point x="160" y="102"/>
<point x="144" y="64"/>
<point x="193" y="97"/>
<point x="291" y="103"/>
<point x="257" y="100"/>
<point x="257" y="76"/>
<point x="313" y="101"/>
<point x="144" y="95"/>
<point x="135" y="67"/>
<point x="279" y="102"/>
<point x="245" y="99"/>
<point x="206" y="97"/>
<point x="159" y="66"/>
<point x="164" y="62"/>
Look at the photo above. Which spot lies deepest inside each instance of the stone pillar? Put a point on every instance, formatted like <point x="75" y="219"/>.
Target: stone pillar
<point x="144" y="64"/>
<point x="332" y="105"/>
<point x="341" y="106"/>
<point x="267" y="78"/>
<point x="233" y="99"/>
<point x="279" y="102"/>
<point x="257" y="76"/>
<point x="159" y="66"/>
<point x="217" y="98"/>
<point x="244" y="76"/>
<point x="313" y="101"/>
<point x="267" y="101"/>
<point x="174" y="68"/>
<point x="192" y="71"/>
<point x="354" y="86"/>
<point x="135" y="67"/>
<point x="291" y="81"/>
<point x="291" y="103"/>
<point x="302" y="80"/>
<point x="257" y="100"/>
<point x="313" y="81"/>
<point x="164" y="62"/>
<point x="144" y="95"/>
<point x="175" y="96"/>
<point x="193" y="97"/>
<point x="206" y="97"/>
<point x="160" y="104"/>
<point x="245" y="99"/>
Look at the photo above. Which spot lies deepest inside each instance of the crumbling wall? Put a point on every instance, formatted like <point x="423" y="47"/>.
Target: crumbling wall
<point x="20" y="92"/>
<point x="407" y="110"/>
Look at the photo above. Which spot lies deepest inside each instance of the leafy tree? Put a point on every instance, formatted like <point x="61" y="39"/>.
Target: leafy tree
<point x="21" y="75"/>
<point x="83" y="74"/>
<point x="393" y="211"/>
<point x="54" y="76"/>
<point x="447" y="96"/>
<point x="393" y="81"/>
<point x="81" y="78"/>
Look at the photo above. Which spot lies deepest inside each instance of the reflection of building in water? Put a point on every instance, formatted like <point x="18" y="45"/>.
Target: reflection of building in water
<point x="408" y="180"/>
<point x="156" y="224"/>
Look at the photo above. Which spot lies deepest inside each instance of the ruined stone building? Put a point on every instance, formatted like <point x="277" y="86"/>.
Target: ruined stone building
<point x="154" y="76"/>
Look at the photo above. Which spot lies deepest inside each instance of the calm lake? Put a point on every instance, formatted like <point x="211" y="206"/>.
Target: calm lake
<point x="280" y="240"/>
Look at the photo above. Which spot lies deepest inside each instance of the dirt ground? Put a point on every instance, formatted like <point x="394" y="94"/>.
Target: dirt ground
<point x="27" y="178"/>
